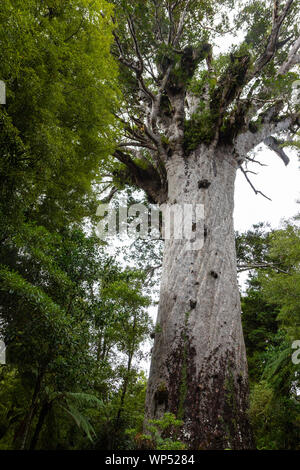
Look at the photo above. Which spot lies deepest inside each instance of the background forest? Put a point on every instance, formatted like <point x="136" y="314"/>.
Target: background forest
<point x="74" y="317"/>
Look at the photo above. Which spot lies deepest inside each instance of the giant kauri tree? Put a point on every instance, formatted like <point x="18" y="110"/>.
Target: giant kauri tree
<point x="203" y="84"/>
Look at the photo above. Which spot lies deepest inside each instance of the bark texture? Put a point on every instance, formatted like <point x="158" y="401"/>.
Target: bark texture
<point x="199" y="368"/>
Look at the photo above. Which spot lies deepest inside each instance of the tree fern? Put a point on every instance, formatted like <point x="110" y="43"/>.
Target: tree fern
<point x="72" y="404"/>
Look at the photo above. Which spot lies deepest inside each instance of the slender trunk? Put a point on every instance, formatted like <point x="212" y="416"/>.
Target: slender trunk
<point x="122" y="400"/>
<point x="42" y="416"/>
<point x="131" y="350"/>
<point x="23" y="431"/>
<point x="124" y="389"/>
<point x="199" y="368"/>
<point x="98" y="351"/>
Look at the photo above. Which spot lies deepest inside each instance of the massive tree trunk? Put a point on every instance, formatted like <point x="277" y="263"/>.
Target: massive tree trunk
<point x="199" y="368"/>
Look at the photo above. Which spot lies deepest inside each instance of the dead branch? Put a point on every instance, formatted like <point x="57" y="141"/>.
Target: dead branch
<point x="252" y="186"/>
<point x="248" y="267"/>
<point x="255" y="161"/>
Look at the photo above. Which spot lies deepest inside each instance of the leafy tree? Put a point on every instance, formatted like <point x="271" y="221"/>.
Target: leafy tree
<point x="61" y="91"/>
<point x="44" y="329"/>
<point x="73" y="338"/>
<point x="270" y="324"/>
<point x="282" y="287"/>
<point x="57" y="126"/>
<point x="258" y="316"/>
<point x="121" y="325"/>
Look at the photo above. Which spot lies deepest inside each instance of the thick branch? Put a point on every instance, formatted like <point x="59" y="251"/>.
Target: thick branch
<point x="292" y="59"/>
<point x="271" y="124"/>
<point x="274" y="145"/>
<point x="181" y="23"/>
<point x="229" y="88"/>
<point x="147" y="179"/>
<point x="271" y="46"/>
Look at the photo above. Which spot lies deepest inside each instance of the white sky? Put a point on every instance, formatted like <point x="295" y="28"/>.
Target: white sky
<point x="278" y="182"/>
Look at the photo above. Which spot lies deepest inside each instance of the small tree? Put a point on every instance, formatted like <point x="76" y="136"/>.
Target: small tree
<point x="271" y="325"/>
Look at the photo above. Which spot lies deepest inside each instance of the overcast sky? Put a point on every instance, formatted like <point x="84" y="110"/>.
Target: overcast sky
<point x="280" y="183"/>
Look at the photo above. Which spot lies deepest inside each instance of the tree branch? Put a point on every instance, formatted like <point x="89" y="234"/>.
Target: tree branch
<point x="274" y="145"/>
<point x="147" y="179"/>
<point x="292" y="58"/>
<point x="271" y="124"/>
<point x="109" y="197"/>
<point x="271" y="46"/>
<point x="252" y="186"/>
<point x="181" y="23"/>
<point x="248" y="267"/>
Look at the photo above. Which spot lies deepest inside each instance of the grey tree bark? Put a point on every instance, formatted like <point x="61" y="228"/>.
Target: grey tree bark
<point x="199" y="368"/>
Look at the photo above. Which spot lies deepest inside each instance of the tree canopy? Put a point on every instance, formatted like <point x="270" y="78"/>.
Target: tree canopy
<point x="201" y="72"/>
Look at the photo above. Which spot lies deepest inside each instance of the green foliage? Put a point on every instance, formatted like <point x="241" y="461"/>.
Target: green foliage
<point x="162" y="434"/>
<point x="72" y="318"/>
<point x="275" y="420"/>
<point x="271" y="322"/>
<point x="73" y="402"/>
<point x="74" y="338"/>
<point x="283" y="287"/>
<point x="259" y="326"/>
<point x="61" y="92"/>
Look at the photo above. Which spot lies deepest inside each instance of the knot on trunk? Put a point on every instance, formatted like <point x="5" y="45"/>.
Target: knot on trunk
<point x="205" y="184"/>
